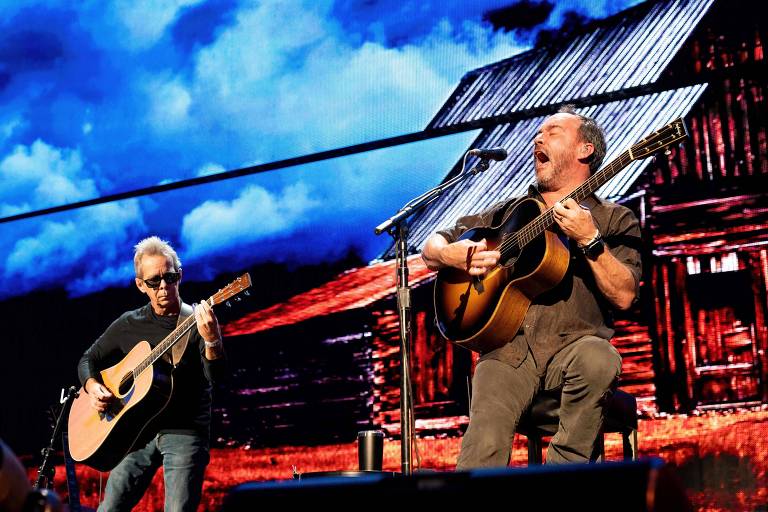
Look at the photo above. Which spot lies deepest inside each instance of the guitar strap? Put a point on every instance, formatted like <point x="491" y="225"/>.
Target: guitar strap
<point x="69" y="465"/>
<point x="177" y="350"/>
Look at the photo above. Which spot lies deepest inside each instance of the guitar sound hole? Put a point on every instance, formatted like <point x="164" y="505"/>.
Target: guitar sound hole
<point x="509" y="255"/>
<point x="510" y="262"/>
<point x="126" y="384"/>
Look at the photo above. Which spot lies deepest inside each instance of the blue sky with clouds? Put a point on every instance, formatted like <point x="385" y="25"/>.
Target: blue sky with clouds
<point x="98" y="97"/>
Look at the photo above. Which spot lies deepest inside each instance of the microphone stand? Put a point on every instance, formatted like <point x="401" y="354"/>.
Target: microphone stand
<point x="397" y="227"/>
<point x="46" y="471"/>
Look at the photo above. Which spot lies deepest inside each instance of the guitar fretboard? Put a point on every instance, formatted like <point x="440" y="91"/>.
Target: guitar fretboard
<point x="546" y="219"/>
<point x="663" y="138"/>
<point x="181" y="330"/>
<point x="238" y="285"/>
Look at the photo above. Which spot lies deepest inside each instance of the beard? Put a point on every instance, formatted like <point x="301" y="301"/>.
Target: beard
<point x="549" y="174"/>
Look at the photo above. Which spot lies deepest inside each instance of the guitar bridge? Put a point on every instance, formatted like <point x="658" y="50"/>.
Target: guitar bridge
<point x="112" y="411"/>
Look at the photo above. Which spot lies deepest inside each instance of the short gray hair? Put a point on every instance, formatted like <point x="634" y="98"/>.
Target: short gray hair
<point x="153" y="246"/>
<point x="589" y="131"/>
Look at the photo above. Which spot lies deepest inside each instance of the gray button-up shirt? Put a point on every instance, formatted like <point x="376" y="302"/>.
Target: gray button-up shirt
<point x="575" y="307"/>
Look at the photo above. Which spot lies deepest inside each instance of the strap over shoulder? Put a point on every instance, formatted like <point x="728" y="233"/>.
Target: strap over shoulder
<point x="178" y="349"/>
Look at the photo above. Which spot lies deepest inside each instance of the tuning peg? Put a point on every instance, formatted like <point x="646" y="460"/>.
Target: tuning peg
<point x="229" y="304"/>
<point x="667" y="151"/>
<point x="247" y="293"/>
<point x="238" y="298"/>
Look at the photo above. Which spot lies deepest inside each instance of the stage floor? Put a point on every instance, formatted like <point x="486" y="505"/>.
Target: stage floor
<point x="721" y="457"/>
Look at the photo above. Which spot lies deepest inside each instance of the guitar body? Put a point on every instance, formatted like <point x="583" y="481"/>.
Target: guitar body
<point x="483" y="313"/>
<point x="101" y="440"/>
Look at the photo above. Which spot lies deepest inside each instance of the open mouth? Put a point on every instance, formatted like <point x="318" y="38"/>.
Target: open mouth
<point x="541" y="157"/>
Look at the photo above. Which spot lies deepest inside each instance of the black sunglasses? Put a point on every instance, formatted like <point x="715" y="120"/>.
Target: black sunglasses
<point x="168" y="277"/>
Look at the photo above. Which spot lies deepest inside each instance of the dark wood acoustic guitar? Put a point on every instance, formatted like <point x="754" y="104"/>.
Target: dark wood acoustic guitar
<point x="142" y="383"/>
<point x="484" y="313"/>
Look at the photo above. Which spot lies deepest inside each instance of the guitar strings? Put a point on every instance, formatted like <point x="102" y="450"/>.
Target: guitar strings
<point x="168" y="342"/>
<point x="182" y="328"/>
<point x="532" y="230"/>
<point x="662" y="138"/>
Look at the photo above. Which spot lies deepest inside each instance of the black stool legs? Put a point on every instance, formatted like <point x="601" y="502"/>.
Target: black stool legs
<point x="543" y="416"/>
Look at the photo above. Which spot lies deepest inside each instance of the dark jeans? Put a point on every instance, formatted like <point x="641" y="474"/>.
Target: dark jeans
<point x="585" y="369"/>
<point x="183" y="457"/>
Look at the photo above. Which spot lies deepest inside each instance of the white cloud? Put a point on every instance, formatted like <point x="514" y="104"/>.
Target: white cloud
<point x="264" y="41"/>
<point x="27" y="163"/>
<point x="6" y="210"/>
<point x="9" y="126"/>
<point x="589" y="8"/>
<point x="89" y="248"/>
<point x="146" y="20"/>
<point x="209" y="168"/>
<point x="255" y="214"/>
<point x="286" y="79"/>
<point x="37" y="252"/>
<point x="117" y="275"/>
<point x="169" y="105"/>
<point x="41" y="175"/>
<point x="84" y="249"/>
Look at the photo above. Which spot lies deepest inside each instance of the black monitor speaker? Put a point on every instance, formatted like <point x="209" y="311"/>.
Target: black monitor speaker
<point x="646" y="485"/>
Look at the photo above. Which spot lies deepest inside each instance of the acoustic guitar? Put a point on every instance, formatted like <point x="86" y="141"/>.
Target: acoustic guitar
<point x="483" y="313"/>
<point x="142" y="383"/>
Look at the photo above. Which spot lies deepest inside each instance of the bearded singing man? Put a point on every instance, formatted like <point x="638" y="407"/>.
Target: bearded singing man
<point x="563" y="341"/>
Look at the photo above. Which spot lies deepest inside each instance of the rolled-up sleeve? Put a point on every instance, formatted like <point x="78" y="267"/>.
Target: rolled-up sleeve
<point x="624" y="241"/>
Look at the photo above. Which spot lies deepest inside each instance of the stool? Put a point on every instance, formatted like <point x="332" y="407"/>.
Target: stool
<point x="543" y="416"/>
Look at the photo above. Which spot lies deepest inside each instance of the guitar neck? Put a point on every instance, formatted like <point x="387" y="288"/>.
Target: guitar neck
<point x="179" y="332"/>
<point x="652" y="143"/>
<point x="240" y="284"/>
<point x="600" y="178"/>
<point x="579" y="194"/>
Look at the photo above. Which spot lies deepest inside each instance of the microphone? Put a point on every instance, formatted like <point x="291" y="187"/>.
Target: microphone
<point x="496" y="153"/>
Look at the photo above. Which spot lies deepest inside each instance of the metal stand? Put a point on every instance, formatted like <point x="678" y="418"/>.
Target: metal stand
<point x="47" y="471"/>
<point x="397" y="227"/>
<point x="404" y="314"/>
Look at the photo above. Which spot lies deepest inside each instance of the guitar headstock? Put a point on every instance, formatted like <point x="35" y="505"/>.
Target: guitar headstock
<point x="240" y="284"/>
<point x="660" y="139"/>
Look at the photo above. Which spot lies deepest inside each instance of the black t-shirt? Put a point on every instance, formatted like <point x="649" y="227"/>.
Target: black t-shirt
<point x="189" y="409"/>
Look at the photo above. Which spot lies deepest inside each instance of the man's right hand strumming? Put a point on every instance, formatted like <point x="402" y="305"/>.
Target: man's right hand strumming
<point x="98" y="394"/>
<point x="471" y="257"/>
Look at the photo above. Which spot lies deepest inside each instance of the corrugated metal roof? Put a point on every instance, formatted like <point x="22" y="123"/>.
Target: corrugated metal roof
<point x="624" y="122"/>
<point x="627" y="50"/>
<point x="355" y="288"/>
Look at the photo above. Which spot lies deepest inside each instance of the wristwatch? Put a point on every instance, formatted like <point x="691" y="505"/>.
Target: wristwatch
<point x="594" y="247"/>
<point x="213" y="344"/>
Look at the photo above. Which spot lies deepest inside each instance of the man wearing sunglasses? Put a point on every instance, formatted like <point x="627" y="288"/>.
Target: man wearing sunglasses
<point x="178" y="437"/>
